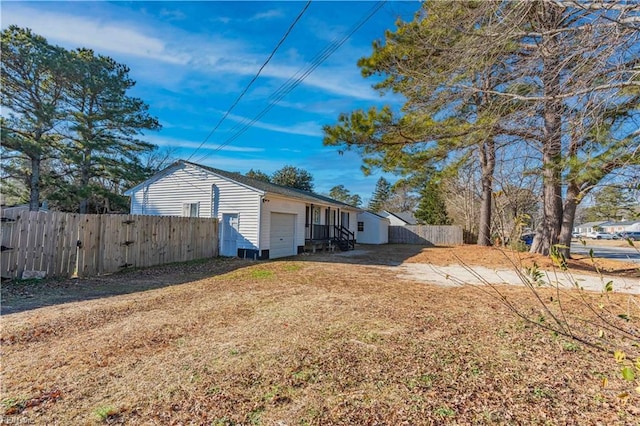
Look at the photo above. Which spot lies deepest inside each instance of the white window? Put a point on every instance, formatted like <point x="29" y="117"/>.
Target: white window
<point x="190" y="209"/>
<point x="316" y="215"/>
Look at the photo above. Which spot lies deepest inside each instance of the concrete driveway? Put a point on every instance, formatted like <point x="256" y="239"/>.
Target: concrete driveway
<point x="617" y="250"/>
<point x="459" y="275"/>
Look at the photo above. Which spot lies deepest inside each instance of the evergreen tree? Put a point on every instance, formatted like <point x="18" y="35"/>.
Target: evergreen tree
<point x="612" y="203"/>
<point x="431" y="207"/>
<point x="33" y="82"/>
<point x="293" y="177"/>
<point x="104" y="122"/>
<point x="70" y="127"/>
<point x="481" y="75"/>
<point x="341" y="193"/>
<point x="380" y="196"/>
<point x="258" y="175"/>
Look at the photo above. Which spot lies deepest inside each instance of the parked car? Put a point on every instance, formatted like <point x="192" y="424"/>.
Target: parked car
<point x="527" y="238"/>
<point x="631" y="235"/>
<point x="598" y="235"/>
<point x="576" y="235"/>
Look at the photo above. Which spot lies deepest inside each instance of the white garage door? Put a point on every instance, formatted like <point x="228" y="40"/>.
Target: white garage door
<point x="282" y="235"/>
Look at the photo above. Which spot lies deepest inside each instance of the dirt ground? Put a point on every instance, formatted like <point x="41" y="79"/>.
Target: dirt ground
<point x="324" y="339"/>
<point x="505" y="258"/>
<point x="25" y="295"/>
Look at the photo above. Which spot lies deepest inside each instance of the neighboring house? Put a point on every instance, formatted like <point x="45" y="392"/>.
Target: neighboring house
<point x="626" y="226"/>
<point x="24" y="208"/>
<point x="372" y="228"/>
<point x="587" y="228"/>
<point x="258" y="220"/>
<point x="399" y="218"/>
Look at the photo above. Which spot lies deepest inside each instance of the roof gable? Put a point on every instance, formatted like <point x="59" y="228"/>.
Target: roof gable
<point x="258" y="185"/>
<point x="406" y="217"/>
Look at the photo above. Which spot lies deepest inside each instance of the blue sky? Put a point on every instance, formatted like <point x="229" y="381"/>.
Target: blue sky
<point x="191" y="60"/>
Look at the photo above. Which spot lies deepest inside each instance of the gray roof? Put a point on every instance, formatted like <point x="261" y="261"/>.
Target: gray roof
<point x="407" y="217"/>
<point x="375" y="214"/>
<point x="625" y="223"/>
<point x="270" y="187"/>
<point x="589" y="224"/>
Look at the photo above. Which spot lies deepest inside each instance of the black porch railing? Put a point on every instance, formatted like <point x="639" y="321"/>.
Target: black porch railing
<point x="344" y="238"/>
<point x="339" y="235"/>
<point x="319" y="232"/>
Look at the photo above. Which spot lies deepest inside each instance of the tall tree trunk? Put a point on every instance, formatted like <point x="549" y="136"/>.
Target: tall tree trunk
<point x="487" y="162"/>
<point x="34" y="184"/>
<point x="84" y="183"/>
<point x="549" y="230"/>
<point x="568" y="217"/>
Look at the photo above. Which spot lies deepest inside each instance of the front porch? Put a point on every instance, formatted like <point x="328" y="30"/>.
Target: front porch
<point x="328" y="237"/>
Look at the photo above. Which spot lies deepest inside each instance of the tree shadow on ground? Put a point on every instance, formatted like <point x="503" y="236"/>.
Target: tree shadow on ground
<point x="367" y="254"/>
<point x="19" y="296"/>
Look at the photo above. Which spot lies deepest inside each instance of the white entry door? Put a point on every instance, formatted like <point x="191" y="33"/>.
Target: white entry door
<point x="282" y="241"/>
<point x="230" y="233"/>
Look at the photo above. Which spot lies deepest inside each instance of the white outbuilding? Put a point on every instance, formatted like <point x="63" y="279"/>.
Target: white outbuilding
<point x="258" y="220"/>
<point x="372" y="228"/>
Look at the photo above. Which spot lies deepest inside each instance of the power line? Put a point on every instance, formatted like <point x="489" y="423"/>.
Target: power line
<point x="297" y="78"/>
<point x="273" y="52"/>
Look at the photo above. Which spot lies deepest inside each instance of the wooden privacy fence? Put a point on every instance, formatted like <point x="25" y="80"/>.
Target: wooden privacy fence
<point x="426" y="234"/>
<point x="66" y="244"/>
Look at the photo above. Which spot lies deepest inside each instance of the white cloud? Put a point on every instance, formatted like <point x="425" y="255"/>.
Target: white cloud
<point x="77" y="31"/>
<point x="221" y="19"/>
<point x="172" y="14"/>
<point x="242" y="165"/>
<point x="162" y="141"/>
<point x="214" y="58"/>
<point x="273" y="13"/>
<point x="309" y="128"/>
<point x="333" y="81"/>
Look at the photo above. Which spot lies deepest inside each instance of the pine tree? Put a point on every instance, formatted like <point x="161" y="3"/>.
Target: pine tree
<point x="431" y="208"/>
<point x="381" y="195"/>
<point x="341" y="193"/>
<point x="32" y="95"/>
<point x="293" y="177"/>
<point x="258" y="175"/>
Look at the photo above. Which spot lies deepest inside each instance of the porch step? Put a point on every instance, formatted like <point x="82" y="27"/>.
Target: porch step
<point x="343" y="245"/>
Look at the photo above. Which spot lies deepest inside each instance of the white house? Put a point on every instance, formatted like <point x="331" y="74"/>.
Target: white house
<point x="258" y="220"/>
<point x="399" y="218"/>
<point x="372" y="228"/>
<point x="626" y="226"/>
<point x="587" y="228"/>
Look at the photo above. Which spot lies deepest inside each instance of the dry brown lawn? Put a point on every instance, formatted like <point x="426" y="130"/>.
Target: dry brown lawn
<point x="313" y="340"/>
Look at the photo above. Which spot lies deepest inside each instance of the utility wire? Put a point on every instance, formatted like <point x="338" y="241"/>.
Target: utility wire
<point x="273" y="52"/>
<point x="296" y="79"/>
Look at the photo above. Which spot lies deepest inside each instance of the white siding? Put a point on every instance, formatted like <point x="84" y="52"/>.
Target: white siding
<point x="353" y="221"/>
<point x="282" y="239"/>
<point x="166" y="195"/>
<point x="281" y="205"/>
<point x="393" y="220"/>
<point x="376" y="229"/>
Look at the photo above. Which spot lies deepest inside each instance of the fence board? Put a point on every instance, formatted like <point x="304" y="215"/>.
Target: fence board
<point x="64" y="244"/>
<point x="426" y="234"/>
<point x="73" y="237"/>
<point x="9" y="236"/>
<point x="48" y="248"/>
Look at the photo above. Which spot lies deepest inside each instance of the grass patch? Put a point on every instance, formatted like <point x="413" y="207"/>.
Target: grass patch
<point x="13" y="405"/>
<point x="323" y="344"/>
<point x="293" y="267"/>
<point x="105" y="413"/>
<point x="444" y="412"/>
<point x="261" y="274"/>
